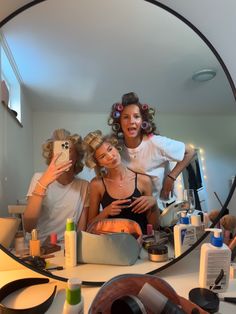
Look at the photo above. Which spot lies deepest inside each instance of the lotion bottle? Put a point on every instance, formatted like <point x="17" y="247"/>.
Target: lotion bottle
<point x="184" y="234"/>
<point x="215" y="257"/>
<point x="34" y="243"/>
<point x="74" y="303"/>
<point x="70" y="237"/>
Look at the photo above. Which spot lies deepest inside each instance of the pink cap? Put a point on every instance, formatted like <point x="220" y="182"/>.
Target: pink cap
<point x="53" y="238"/>
<point x="149" y="229"/>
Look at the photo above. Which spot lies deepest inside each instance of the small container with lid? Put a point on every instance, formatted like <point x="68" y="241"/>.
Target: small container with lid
<point x="158" y="253"/>
<point x="74" y="303"/>
<point x="19" y="243"/>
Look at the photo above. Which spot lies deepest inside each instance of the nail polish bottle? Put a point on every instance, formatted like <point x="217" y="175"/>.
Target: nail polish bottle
<point x="34" y="243"/>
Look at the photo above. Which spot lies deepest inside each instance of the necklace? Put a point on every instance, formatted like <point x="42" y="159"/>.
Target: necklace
<point x="122" y="181"/>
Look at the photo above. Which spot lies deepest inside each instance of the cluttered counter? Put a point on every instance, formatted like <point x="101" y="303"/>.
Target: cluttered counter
<point x="182" y="276"/>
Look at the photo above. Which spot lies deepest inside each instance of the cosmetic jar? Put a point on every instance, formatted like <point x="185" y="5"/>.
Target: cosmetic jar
<point x="128" y="304"/>
<point x="148" y="241"/>
<point x="158" y="253"/>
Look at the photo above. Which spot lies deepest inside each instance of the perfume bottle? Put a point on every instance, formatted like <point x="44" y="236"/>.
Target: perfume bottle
<point x="34" y="243"/>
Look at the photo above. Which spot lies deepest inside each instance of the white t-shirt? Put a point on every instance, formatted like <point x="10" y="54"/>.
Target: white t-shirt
<point x="153" y="157"/>
<point x="61" y="202"/>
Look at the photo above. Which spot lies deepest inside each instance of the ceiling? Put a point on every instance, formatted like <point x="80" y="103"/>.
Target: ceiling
<point x="83" y="55"/>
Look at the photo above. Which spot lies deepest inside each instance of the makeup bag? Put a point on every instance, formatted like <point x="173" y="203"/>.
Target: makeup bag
<point x="110" y="242"/>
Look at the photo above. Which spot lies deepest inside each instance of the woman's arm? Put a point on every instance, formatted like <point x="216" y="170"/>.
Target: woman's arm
<point x="34" y="204"/>
<point x="168" y="182"/>
<point x="153" y="213"/>
<point x="83" y="220"/>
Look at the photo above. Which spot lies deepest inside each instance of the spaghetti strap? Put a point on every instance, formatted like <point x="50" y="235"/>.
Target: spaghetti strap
<point x="136" y="179"/>
<point x="104" y="184"/>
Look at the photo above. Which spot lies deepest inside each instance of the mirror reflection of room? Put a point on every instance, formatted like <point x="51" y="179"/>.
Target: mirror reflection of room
<point x="187" y="109"/>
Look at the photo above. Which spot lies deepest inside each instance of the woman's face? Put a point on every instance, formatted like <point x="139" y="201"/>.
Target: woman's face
<point x="107" y="156"/>
<point x="130" y="121"/>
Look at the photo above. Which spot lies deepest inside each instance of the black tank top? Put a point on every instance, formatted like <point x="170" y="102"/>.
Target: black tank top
<point x="126" y="212"/>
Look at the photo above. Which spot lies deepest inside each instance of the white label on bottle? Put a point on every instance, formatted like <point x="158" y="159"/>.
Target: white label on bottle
<point x="216" y="262"/>
<point x="188" y="237"/>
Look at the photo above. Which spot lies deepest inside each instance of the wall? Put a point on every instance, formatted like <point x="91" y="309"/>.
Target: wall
<point x="216" y="135"/>
<point x="16" y="155"/>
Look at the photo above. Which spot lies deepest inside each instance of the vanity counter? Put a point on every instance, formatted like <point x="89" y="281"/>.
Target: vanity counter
<point x="182" y="276"/>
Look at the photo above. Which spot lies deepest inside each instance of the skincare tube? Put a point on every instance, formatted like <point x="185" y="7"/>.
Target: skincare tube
<point x="157" y="302"/>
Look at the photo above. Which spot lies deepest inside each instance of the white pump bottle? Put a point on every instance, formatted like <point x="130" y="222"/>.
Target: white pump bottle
<point x="184" y="234"/>
<point x="215" y="259"/>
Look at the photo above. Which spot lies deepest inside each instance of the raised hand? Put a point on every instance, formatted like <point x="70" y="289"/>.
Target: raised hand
<point x="54" y="171"/>
<point x="167" y="188"/>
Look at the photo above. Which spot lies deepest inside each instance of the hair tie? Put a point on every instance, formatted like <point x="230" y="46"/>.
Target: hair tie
<point x="116" y="114"/>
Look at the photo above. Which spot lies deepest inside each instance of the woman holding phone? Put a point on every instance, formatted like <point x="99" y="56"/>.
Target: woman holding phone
<point x="57" y="194"/>
<point x="121" y="192"/>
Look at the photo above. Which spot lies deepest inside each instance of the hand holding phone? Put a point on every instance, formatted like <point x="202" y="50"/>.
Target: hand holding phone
<point x="63" y="149"/>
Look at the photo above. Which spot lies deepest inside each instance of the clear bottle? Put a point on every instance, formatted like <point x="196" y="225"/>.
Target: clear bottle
<point x="19" y="243"/>
<point x="198" y="224"/>
<point x="184" y="235"/>
<point x="74" y="303"/>
<point x="215" y="259"/>
<point x="70" y="237"/>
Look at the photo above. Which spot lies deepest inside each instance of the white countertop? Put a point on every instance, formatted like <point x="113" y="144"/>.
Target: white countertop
<point x="182" y="276"/>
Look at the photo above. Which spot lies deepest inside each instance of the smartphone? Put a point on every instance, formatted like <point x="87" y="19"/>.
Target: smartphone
<point x="62" y="147"/>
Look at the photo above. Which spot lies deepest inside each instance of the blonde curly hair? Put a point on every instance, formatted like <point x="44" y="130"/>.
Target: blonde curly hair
<point x="92" y="141"/>
<point x="62" y="134"/>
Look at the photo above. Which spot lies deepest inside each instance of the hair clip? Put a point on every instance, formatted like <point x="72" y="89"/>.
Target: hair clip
<point x="116" y="114"/>
<point x="145" y="107"/>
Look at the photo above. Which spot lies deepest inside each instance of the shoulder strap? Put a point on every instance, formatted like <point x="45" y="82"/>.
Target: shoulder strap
<point x="104" y="184"/>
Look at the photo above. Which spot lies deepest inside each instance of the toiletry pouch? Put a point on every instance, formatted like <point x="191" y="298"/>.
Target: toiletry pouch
<point x="109" y="249"/>
<point x="114" y="225"/>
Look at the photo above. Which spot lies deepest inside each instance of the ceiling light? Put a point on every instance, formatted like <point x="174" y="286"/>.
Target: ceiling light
<point x="204" y="75"/>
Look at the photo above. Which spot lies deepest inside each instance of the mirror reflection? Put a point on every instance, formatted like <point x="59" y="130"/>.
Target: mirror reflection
<point x="72" y="69"/>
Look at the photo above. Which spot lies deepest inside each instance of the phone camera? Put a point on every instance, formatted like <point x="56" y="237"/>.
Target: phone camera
<point x="65" y="145"/>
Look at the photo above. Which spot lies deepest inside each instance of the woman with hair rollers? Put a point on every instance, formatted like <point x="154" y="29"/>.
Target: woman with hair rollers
<point x="57" y="194"/>
<point x="144" y="150"/>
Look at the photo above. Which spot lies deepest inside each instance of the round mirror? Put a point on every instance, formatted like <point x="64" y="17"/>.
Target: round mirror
<point x="74" y="59"/>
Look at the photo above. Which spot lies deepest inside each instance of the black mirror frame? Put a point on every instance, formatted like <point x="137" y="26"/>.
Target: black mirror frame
<point x="233" y="187"/>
